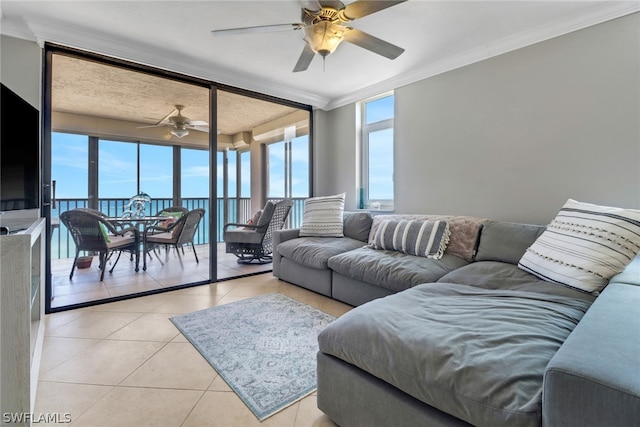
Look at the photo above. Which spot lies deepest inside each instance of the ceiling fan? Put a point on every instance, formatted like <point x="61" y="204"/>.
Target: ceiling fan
<point x="323" y="25"/>
<point x="180" y="124"/>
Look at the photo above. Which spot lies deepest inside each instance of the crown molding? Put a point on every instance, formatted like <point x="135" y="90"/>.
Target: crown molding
<point x="90" y="40"/>
<point x="542" y="33"/>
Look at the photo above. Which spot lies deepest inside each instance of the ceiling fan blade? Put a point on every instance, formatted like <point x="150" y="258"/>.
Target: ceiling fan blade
<point x="200" y="128"/>
<point x="336" y="4"/>
<point x="374" y="44"/>
<point x="311" y="5"/>
<point x="198" y="123"/>
<point x="305" y="59"/>
<point x="152" y="126"/>
<point x="361" y="8"/>
<point x="258" y="29"/>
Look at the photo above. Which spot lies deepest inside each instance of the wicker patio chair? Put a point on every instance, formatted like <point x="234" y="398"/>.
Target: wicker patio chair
<point x="92" y="232"/>
<point x="254" y="242"/>
<point x="178" y="234"/>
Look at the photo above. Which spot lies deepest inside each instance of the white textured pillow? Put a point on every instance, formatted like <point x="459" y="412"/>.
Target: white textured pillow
<point x="323" y="216"/>
<point x="584" y="246"/>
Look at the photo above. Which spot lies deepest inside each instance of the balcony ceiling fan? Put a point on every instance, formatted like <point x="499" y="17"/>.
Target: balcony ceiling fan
<point x="180" y="125"/>
<point x="323" y="25"/>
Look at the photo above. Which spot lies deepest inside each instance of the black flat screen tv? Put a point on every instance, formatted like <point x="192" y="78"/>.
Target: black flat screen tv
<point x="19" y="153"/>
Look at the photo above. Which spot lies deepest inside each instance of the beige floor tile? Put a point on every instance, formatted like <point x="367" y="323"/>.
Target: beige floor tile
<point x="57" y="350"/>
<point x="148" y="327"/>
<point x="133" y="305"/>
<point x="310" y="416"/>
<point x="108" y="362"/>
<point x="220" y="409"/>
<point x="139" y="407"/>
<point x="124" y="377"/>
<point x="55" y="320"/>
<point x="71" y="399"/>
<point x="177" y="365"/>
<point x="93" y="324"/>
<point x="186" y="303"/>
<point x="219" y="384"/>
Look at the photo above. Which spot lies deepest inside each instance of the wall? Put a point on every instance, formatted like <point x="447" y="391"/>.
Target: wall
<point x="335" y="159"/>
<point x="21" y="69"/>
<point x="512" y="137"/>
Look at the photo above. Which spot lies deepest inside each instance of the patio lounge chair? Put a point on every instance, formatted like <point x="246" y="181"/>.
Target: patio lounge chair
<point x="92" y="232"/>
<point x="178" y="234"/>
<point x="254" y="242"/>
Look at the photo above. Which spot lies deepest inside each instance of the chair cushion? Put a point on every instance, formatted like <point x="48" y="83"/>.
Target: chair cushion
<point x="315" y="252"/>
<point x="241" y="235"/>
<point x="120" y="241"/>
<point x="161" y="238"/>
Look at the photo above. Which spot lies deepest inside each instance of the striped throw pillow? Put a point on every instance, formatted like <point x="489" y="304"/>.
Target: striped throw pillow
<point x="584" y="246"/>
<point x="414" y="237"/>
<point x="323" y="217"/>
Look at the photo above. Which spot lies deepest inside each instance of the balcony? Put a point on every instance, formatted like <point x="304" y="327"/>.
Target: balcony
<point x="86" y="287"/>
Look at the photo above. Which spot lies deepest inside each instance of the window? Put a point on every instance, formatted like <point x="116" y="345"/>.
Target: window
<point x="289" y="167"/>
<point x="376" y="178"/>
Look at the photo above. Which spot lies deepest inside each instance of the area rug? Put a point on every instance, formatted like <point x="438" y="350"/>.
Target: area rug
<point x="263" y="347"/>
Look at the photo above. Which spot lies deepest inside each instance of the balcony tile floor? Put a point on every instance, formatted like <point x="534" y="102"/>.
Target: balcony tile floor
<point x="125" y="364"/>
<point x="86" y="286"/>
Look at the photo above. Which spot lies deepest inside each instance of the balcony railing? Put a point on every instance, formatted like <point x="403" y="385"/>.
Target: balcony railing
<point x="238" y="210"/>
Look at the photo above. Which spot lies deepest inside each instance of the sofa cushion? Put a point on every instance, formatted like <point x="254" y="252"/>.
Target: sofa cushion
<point x="506" y="241"/>
<point x="315" y="251"/>
<point x="585" y="245"/>
<point x="464" y="231"/>
<point x="421" y="238"/>
<point x="476" y="354"/>
<point x="357" y="225"/>
<point x="323" y="216"/>
<point x="503" y="275"/>
<point x="390" y="269"/>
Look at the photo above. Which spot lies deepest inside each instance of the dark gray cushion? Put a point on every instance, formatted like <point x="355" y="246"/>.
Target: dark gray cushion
<point x="503" y="275"/>
<point x="392" y="270"/>
<point x="315" y="251"/>
<point x="506" y="241"/>
<point x="357" y="225"/>
<point x="476" y="354"/>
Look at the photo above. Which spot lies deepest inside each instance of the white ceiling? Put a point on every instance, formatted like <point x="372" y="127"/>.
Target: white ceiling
<point x="176" y="35"/>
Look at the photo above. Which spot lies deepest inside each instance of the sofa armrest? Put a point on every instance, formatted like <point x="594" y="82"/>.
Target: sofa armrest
<point x="594" y="378"/>
<point x="280" y="236"/>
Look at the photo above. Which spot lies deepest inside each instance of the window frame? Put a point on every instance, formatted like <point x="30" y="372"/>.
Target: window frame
<point x="366" y="129"/>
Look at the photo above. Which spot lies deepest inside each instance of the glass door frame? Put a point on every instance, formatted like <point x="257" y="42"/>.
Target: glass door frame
<point x="46" y="158"/>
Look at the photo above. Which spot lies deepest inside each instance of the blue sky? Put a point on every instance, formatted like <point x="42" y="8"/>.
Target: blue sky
<point x="117" y="169"/>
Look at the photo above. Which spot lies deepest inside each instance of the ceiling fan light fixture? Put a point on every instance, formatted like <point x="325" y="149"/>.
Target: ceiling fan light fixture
<point x="179" y="131"/>
<point x="324" y="36"/>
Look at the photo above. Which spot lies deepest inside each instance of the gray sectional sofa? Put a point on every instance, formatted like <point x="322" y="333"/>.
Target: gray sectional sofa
<point x="469" y="339"/>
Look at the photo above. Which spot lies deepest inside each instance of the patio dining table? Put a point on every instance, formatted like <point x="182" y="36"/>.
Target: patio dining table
<point x="141" y="223"/>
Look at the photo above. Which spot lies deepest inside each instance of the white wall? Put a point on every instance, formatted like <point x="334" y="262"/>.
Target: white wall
<point x="511" y="138"/>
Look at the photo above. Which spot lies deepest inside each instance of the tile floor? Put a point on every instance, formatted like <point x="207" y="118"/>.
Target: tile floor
<point x="125" y="364"/>
<point x="86" y="286"/>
